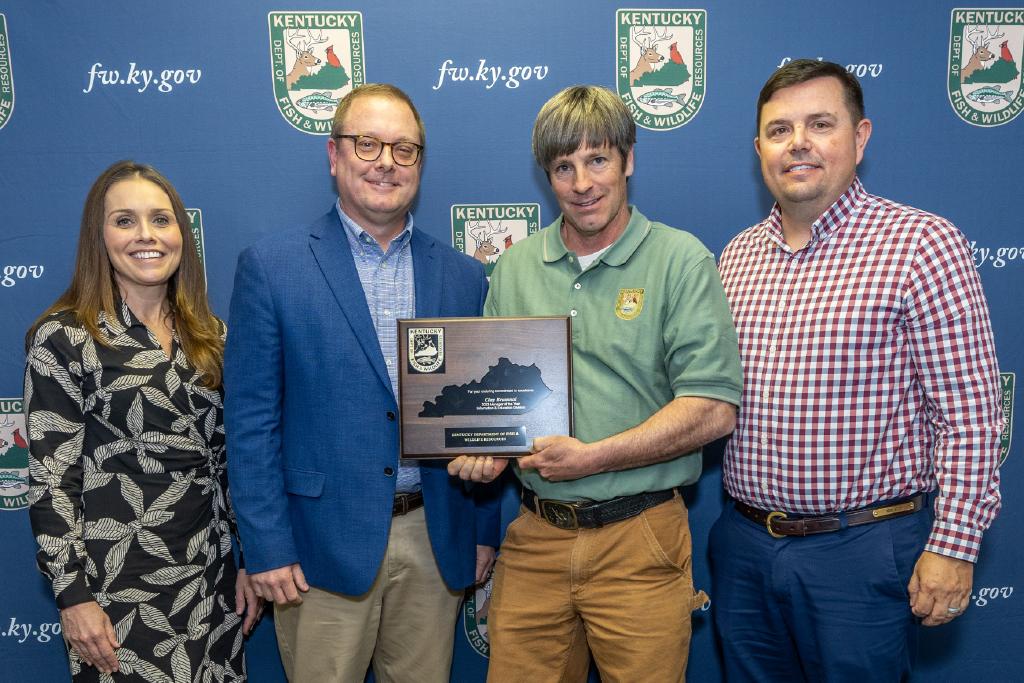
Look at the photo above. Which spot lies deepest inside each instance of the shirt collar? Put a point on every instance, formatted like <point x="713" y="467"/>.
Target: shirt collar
<point x="828" y="223"/>
<point x="617" y="254"/>
<point x="356" y="231"/>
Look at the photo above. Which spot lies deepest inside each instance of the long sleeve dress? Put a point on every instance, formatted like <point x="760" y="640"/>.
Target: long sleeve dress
<point x="129" y="498"/>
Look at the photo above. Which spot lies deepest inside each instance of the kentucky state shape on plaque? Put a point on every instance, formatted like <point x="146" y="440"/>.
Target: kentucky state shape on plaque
<point x="506" y="389"/>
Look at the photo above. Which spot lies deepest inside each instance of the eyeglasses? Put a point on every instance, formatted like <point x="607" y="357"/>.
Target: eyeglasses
<point x="369" y="148"/>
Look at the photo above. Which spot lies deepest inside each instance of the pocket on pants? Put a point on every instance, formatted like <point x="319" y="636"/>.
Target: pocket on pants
<point x="667" y="532"/>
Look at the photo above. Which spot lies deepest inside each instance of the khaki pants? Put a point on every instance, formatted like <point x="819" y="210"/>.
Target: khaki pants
<point x="404" y="625"/>
<point x="624" y="592"/>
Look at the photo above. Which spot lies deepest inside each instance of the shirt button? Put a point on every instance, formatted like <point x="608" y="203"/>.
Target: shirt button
<point x="764" y="440"/>
<point x="573" y="312"/>
<point x="577" y="286"/>
<point x="388" y="471"/>
<point x="387" y="361"/>
<point x="771" y="349"/>
<point x="764" y="486"/>
<point x="764" y="395"/>
<point x="391" y="416"/>
<point x="387" y="312"/>
<point x="571" y="259"/>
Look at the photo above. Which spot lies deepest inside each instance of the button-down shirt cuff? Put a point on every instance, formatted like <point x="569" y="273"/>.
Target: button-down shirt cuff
<point x="953" y="540"/>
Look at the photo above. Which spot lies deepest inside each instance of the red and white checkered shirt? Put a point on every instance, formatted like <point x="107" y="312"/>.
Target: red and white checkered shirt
<point x="869" y="372"/>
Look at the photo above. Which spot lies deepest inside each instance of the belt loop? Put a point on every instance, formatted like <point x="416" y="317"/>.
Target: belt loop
<point x="842" y="521"/>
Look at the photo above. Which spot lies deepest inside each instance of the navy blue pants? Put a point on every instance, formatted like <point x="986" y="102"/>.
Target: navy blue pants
<point x="829" y="607"/>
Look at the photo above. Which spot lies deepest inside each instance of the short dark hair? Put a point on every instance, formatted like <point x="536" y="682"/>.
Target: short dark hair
<point x="803" y="70"/>
<point x="582" y="116"/>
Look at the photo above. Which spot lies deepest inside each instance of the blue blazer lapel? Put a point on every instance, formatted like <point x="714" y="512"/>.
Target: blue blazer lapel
<point x="334" y="257"/>
<point x="428" y="273"/>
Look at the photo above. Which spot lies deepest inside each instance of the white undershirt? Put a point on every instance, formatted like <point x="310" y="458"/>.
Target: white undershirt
<point x="586" y="261"/>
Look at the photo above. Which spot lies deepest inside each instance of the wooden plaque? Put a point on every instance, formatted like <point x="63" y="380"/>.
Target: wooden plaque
<point x="475" y="386"/>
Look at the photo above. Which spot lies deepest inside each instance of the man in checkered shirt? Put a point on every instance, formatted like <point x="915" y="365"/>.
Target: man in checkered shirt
<point x="870" y="381"/>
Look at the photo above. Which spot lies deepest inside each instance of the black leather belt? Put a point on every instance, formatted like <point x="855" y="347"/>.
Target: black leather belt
<point x="406" y="502"/>
<point x="585" y="514"/>
<point x="780" y="524"/>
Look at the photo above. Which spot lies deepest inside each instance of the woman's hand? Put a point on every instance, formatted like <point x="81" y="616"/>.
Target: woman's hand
<point x="247" y="602"/>
<point x="90" y="633"/>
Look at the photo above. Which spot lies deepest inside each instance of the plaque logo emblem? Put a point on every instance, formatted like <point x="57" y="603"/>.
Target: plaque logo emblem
<point x="6" y="75"/>
<point x="13" y="455"/>
<point x="316" y="58"/>
<point x="984" y="74"/>
<point x="426" y="349"/>
<point x="1006" y="382"/>
<point x="660" y="69"/>
<point x="486" y="231"/>
<point x="474" y="616"/>
<point x="630" y="303"/>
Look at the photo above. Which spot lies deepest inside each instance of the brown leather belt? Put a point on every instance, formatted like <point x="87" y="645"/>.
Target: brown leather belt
<point x="406" y="502"/>
<point x="780" y="524"/>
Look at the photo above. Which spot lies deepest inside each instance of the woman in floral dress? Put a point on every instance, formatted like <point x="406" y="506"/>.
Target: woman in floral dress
<point x="124" y="410"/>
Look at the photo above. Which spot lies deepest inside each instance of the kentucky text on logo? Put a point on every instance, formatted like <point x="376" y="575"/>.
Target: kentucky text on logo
<point x="489" y="76"/>
<point x="141" y="79"/>
<point x="660" y="69"/>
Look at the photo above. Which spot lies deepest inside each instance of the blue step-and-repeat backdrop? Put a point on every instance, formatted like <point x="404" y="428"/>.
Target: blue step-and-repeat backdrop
<point x="213" y="95"/>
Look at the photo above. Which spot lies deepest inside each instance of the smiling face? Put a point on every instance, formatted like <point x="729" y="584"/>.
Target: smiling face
<point x="376" y="194"/>
<point x="141" y="235"/>
<point x="590" y="186"/>
<point x="809" y="146"/>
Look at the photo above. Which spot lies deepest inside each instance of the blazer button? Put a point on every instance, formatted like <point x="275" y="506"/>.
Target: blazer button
<point x="391" y="416"/>
<point x="389" y="471"/>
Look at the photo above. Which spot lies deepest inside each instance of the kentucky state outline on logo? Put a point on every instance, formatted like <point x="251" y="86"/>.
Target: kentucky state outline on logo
<point x="316" y="58"/>
<point x="1006" y="382"/>
<point x="486" y="231"/>
<point x="985" y="47"/>
<point x="660" y="64"/>
<point x="13" y="455"/>
<point x="6" y="75"/>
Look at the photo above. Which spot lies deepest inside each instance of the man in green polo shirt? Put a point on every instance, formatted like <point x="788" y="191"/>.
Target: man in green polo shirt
<point x="599" y="558"/>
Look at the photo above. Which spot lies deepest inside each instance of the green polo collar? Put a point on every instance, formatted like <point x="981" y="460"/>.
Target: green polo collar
<point x="620" y="251"/>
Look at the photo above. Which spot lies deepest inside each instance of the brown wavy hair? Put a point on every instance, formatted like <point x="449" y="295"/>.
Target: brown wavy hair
<point x="93" y="289"/>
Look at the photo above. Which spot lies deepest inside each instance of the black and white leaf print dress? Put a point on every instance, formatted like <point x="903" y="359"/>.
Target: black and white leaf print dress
<point x="129" y="498"/>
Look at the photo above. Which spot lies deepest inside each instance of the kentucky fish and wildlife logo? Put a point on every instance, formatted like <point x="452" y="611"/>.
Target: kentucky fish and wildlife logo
<point x="474" y="616"/>
<point x="629" y="303"/>
<point x="6" y="77"/>
<point x="13" y="455"/>
<point x="486" y="231"/>
<point x="195" y="221"/>
<point x="426" y="349"/>
<point x="316" y="58"/>
<point x="1006" y="382"/>
<point x="985" y="48"/>
<point x="660" y="64"/>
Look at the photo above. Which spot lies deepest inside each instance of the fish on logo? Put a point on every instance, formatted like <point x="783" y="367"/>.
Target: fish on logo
<point x="984" y="78"/>
<point x="426" y="349"/>
<point x="13" y="456"/>
<point x="316" y="58"/>
<point x="661" y="65"/>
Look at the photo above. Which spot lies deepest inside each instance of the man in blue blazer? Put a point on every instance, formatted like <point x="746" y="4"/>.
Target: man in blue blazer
<point x="364" y="556"/>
